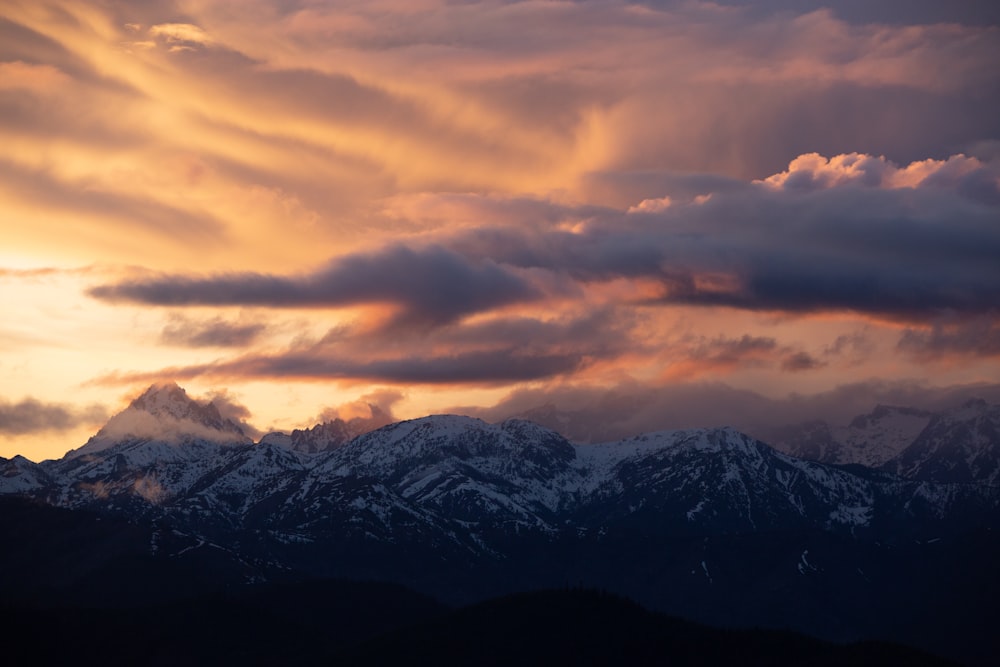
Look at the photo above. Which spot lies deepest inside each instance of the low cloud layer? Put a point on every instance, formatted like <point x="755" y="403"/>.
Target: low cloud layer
<point x="32" y="416"/>
<point x="600" y="414"/>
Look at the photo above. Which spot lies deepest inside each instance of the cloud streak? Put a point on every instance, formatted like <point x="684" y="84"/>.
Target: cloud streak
<point x="430" y="285"/>
<point x="213" y="333"/>
<point x="32" y="416"/>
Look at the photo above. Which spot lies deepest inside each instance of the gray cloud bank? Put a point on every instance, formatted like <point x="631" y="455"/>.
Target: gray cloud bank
<point x="32" y="416"/>
<point x="430" y="284"/>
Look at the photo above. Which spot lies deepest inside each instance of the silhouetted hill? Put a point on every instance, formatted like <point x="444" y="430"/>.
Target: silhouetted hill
<point x="582" y="627"/>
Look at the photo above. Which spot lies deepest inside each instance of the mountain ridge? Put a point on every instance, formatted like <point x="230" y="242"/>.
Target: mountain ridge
<point x="709" y="523"/>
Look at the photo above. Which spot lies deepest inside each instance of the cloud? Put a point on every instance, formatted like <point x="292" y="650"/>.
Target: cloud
<point x="371" y="411"/>
<point x="230" y="407"/>
<point x="480" y="176"/>
<point x="585" y="413"/>
<point x="856" y="346"/>
<point x="491" y="351"/>
<point x="979" y="338"/>
<point x="852" y="233"/>
<point x="483" y="367"/>
<point x="180" y="33"/>
<point x="32" y="416"/>
<point x="815" y="172"/>
<point x="801" y="361"/>
<point x="374" y="409"/>
<point x="974" y="12"/>
<point x="121" y="212"/>
<point x="697" y="356"/>
<point x="430" y="285"/>
<point x="732" y="350"/>
<point x="215" y="332"/>
<point x="39" y="273"/>
<point x="18" y="75"/>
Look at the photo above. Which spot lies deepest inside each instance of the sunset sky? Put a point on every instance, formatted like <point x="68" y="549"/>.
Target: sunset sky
<point x="659" y="214"/>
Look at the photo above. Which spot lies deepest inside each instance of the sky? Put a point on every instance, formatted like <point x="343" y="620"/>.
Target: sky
<point x="632" y="215"/>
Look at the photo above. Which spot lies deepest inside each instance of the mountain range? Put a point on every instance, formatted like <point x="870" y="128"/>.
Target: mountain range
<point x="888" y="533"/>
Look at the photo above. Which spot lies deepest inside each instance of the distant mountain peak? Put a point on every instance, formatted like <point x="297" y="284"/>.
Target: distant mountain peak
<point x="165" y="413"/>
<point x="167" y="398"/>
<point x="329" y="434"/>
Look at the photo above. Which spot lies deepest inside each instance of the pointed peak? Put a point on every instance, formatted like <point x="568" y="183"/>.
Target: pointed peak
<point x="161" y="393"/>
<point x="165" y="412"/>
<point x="168" y="399"/>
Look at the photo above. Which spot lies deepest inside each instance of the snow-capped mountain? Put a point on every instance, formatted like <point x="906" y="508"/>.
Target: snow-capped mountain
<point x="157" y="449"/>
<point x="330" y="434"/>
<point x="19" y="475"/>
<point x="702" y="522"/>
<point x="165" y="414"/>
<point x="474" y="487"/>
<point x="959" y="445"/>
<point x="870" y="440"/>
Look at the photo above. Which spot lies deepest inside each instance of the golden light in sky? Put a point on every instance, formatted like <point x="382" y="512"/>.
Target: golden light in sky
<point x="477" y="206"/>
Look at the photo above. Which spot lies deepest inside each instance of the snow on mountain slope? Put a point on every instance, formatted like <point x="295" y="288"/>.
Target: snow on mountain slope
<point x="721" y="480"/>
<point x="870" y="440"/>
<point x="458" y="484"/>
<point x="455" y="469"/>
<point x="155" y="450"/>
<point x="330" y="434"/>
<point x="960" y="445"/>
<point x="165" y="414"/>
<point x="19" y="475"/>
<point x="320" y="438"/>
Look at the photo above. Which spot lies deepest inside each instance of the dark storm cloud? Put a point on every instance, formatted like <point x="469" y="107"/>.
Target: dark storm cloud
<point x="32" y="416"/>
<point x="213" y="333"/>
<point x="430" y="285"/>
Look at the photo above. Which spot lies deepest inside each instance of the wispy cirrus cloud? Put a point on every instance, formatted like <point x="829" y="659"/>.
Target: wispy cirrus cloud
<point x="211" y="333"/>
